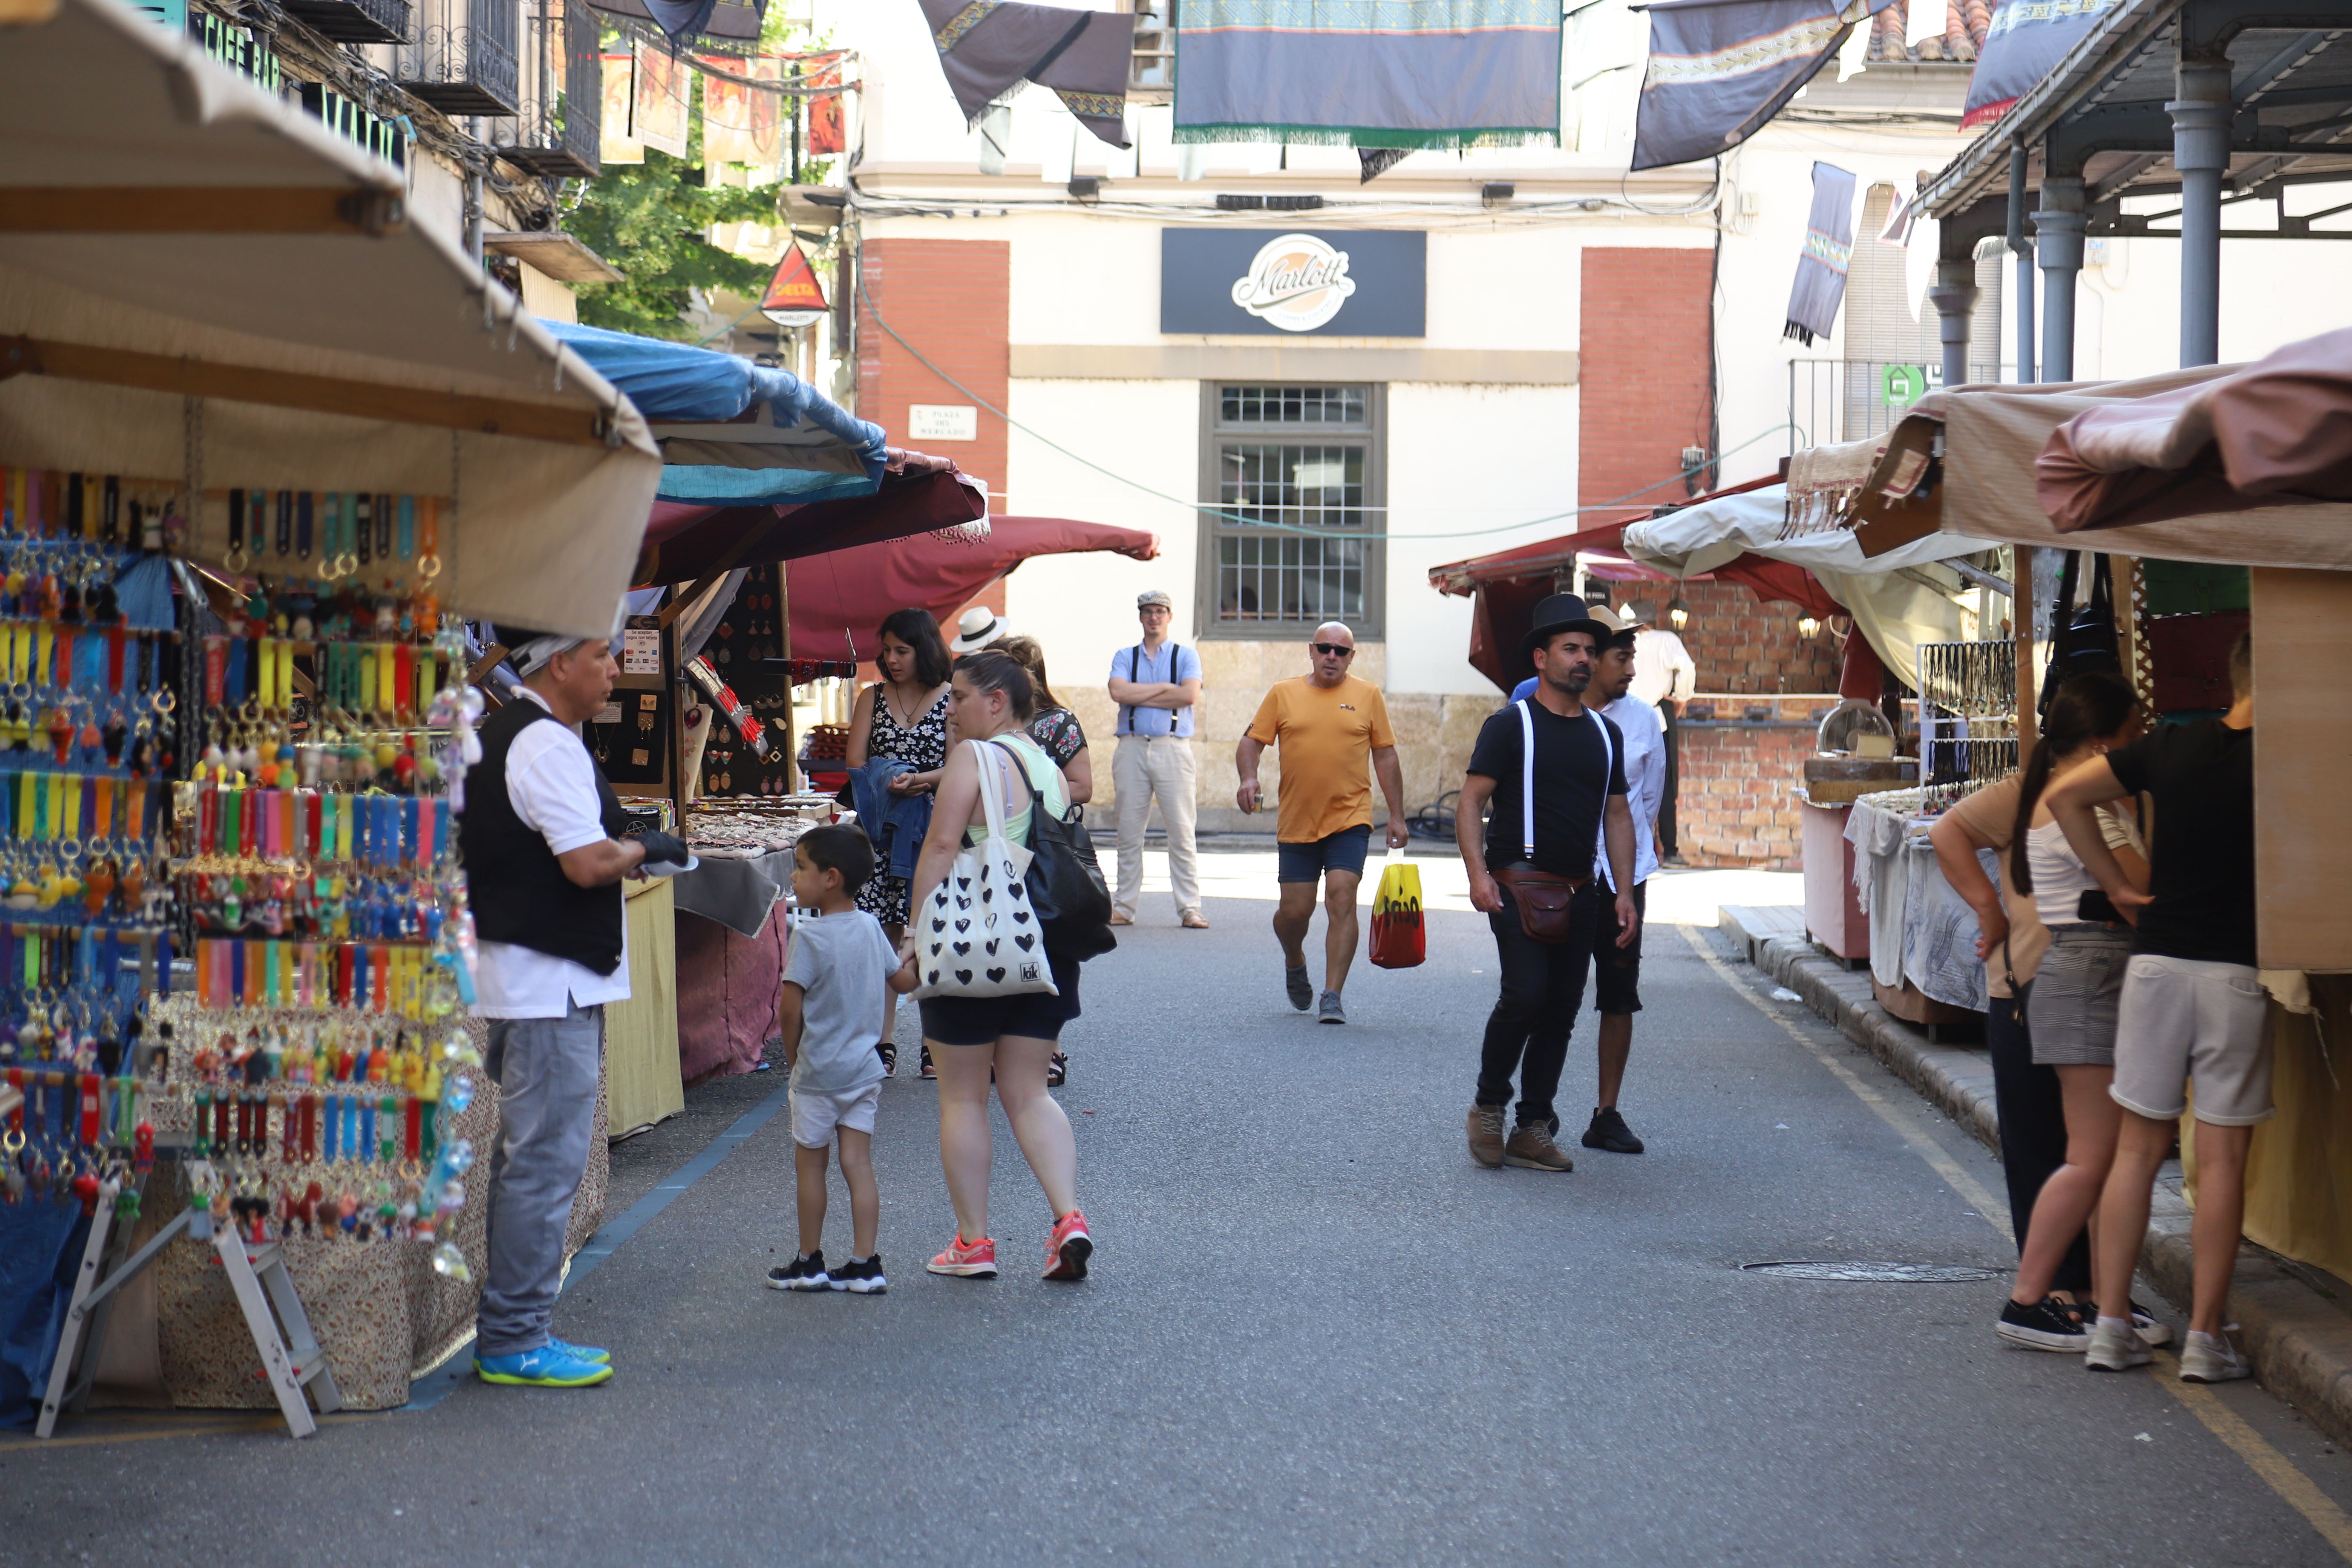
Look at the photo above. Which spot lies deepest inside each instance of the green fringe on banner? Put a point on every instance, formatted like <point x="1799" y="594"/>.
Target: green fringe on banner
<point x="1368" y="136"/>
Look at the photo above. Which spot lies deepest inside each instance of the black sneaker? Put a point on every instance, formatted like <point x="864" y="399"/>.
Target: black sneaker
<point x="1301" y="990"/>
<point x="1609" y="1132"/>
<point x="2043" y="1326"/>
<point x="802" y="1274"/>
<point x="863" y="1278"/>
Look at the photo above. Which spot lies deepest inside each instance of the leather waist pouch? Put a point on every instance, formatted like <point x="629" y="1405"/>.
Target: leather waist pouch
<point x="1543" y="898"/>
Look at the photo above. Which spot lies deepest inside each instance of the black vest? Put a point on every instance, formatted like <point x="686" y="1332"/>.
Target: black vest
<point x="514" y="882"/>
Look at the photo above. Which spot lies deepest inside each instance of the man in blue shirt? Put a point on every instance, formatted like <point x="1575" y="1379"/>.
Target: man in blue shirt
<point x="1156" y="684"/>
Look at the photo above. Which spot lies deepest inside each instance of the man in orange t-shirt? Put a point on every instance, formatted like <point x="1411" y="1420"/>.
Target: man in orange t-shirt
<point x="1334" y="733"/>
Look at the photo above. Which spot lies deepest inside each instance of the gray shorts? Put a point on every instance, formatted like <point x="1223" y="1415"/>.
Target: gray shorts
<point x="2194" y="1021"/>
<point x="2070" y="1008"/>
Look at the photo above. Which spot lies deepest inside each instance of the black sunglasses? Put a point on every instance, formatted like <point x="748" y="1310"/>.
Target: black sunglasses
<point x="1332" y="649"/>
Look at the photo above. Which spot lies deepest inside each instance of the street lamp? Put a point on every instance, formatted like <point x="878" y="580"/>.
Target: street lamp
<point x="1679" y="613"/>
<point x="1808" y="625"/>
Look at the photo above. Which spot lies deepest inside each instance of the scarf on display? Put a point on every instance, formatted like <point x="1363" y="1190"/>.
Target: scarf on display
<point x="1719" y="69"/>
<point x="988" y="47"/>
<point x="2023" y="45"/>
<point x="1384" y="77"/>
<point x="1829" y="249"/>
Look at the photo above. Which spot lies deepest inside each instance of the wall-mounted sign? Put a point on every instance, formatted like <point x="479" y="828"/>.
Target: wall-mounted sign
<point x="943" y="422"/>
<point x="1357" y="283"/>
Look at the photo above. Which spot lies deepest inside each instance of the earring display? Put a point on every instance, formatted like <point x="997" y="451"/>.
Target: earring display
<point x="1967" y="708"/>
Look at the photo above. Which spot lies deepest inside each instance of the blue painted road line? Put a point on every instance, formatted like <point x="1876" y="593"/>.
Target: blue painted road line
<point x="435" y="1386"/>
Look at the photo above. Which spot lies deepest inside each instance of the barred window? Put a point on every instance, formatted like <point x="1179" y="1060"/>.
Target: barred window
<point x="1293" y="475"/>
<point x="1151" y="69"/>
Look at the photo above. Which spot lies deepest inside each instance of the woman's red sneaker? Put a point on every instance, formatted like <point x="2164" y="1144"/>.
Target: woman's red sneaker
<point x="972" y="1260"/>
<point x="1067" y="1249"/>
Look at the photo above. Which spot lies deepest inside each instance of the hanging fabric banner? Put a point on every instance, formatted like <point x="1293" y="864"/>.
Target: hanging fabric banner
<point x="739" y="123"/>
<point x="1387" y="75"/>
<point x="616" y="141"/>
<point x="2023" y="45"/>
<point x="825" y="136"/>
<point x="1719" y="69"/>
<point x="988" y="47"/>
<point x="664" y="82"/>
<point x="1828" y="251"/>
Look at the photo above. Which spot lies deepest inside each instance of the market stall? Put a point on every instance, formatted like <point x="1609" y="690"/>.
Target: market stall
<point x="2213" y="500"/>
<point x="252" y="476"/>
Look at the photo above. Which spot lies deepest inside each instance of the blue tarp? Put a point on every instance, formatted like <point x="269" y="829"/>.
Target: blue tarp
<point x="799" y="446"/>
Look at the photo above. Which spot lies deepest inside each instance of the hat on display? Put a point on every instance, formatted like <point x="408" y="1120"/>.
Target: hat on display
<point x="1567" y="613"/>
<point x="976" y="629"/>
<point x="1150" y="596"/>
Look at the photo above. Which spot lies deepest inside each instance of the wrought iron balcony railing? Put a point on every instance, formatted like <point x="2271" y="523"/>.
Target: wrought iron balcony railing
<point x="462" y="60"/>
<point x="558" y="132"/>
<point x="354" y="21"/>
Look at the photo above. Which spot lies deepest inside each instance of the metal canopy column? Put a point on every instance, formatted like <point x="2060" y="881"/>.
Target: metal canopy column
<point x="1954" y="297"/>
<point x="2058" y="229"/>
<point x="2022" y="249"/>
<point x="2200" y="151"/>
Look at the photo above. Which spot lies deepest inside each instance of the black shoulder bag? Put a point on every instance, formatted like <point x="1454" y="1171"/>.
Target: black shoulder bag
<point x="1066" y="882"/>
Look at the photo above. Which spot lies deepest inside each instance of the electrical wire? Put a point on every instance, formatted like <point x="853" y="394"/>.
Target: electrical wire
<point x="1618" y="504"/>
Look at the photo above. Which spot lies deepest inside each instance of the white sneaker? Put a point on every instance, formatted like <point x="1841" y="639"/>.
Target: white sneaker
<point x="2115" y="1348"/>
<point x="2211" y="1358"/>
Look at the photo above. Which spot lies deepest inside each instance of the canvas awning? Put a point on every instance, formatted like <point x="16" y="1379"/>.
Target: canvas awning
<point x="733" y="432"/>
<point x="918" y="495"/>
<point x="1963" y="461"/>
<point x="838" y="600"/>
<point x="200" y="286"/>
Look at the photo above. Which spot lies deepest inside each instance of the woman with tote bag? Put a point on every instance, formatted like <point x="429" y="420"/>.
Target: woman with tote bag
<point x="999" y="1018"/>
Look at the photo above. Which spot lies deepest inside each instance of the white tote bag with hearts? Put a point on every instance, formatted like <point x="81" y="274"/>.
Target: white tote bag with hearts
<point x="977" y="935"/>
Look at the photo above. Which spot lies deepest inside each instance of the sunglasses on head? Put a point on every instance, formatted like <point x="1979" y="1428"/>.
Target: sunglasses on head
<point x="1331" y="648"/>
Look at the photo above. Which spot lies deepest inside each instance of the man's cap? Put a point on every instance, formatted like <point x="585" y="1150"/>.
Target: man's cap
<point x="1155" y="596"/>
<point x="1567" y="613"/>
<point x="976" y="629"/>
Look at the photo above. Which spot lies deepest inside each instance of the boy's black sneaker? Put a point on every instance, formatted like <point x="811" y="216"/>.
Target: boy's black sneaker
<point x="802" y="1274"/>
<point x="863" y="1277"/>
<point x="2043" y="1326"/>
<point x="1609" y="1132"/>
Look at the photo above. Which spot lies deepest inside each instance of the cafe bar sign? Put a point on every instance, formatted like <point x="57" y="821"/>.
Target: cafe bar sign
<point x="1357" y="283"/>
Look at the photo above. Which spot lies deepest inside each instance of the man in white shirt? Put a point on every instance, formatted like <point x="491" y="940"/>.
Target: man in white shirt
<point x="1663" y="676"/>
<point x="544" y="858"/>
<point x="1617" y="970"/>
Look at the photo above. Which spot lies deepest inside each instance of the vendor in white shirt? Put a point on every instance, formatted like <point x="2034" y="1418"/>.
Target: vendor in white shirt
<point x="542" y="840"/>
<point x="1665" y="677"/>
<point x="1617" y="970"/>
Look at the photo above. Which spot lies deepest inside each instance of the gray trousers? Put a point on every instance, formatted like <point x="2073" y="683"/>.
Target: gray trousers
<point x="546" y="1072"/>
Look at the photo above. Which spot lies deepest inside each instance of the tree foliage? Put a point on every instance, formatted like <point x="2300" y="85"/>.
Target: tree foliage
<point x="650" y="219"/>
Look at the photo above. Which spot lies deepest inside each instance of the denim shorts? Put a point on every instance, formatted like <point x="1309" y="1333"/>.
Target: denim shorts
<point x="1341" y="851"/>
<point x="1617" y="970"/>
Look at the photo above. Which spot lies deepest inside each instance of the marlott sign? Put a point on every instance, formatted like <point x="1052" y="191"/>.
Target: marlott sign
<point x="1354" y="283"/>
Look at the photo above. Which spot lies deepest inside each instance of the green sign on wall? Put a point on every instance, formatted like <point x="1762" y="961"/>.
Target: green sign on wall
<point x="1903" y="384"/>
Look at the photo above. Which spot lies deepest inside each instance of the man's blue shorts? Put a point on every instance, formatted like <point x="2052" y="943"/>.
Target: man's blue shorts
<point x="1340" y="851"/>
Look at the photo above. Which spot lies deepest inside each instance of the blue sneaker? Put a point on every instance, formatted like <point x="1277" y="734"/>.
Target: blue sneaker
<point x="546" y="1367"/>
<point x="578" y="1352"/>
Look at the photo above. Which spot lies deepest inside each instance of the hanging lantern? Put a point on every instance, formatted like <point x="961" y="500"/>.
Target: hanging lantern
<point x="1808" y="625"/>
<point x="1679" y="613"/>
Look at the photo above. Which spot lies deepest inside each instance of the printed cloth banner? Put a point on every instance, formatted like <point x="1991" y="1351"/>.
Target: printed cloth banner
<point x="664" y="85"/>
<point x="988" y="47"/>
<point x="824" y="136"/>
<point x="1828" y="251"/>
<point x="1720" y="69"/>
<point x="2024" y="44"/>
<point x="617" y="143"/>
<point x="1391" y="75"/>
<point x="739" y="123"/>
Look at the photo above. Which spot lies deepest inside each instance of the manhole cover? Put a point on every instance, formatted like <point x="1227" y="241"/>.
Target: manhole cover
<point x="1879" y="1273"/>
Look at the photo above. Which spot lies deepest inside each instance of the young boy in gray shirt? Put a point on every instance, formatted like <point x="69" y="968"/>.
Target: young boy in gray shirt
<point x="835" y="1005"/>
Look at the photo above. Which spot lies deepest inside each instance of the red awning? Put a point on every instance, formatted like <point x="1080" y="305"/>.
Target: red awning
<point x="918" y="494"/>
<point x="839" y="598"/>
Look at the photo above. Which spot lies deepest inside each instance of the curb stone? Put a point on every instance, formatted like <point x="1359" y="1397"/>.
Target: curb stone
<point x="2296" y="1333"/>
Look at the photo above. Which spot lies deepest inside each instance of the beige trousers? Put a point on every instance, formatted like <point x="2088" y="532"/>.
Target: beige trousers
<point x="1161" y="765"/>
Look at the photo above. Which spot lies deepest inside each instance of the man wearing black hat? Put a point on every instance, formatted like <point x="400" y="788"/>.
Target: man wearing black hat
<point x="544" y="858"/>
<point x="1553" y="770"/>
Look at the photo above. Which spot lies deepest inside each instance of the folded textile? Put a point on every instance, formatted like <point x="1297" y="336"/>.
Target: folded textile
<point x="988" y="47"/>
<point x="1392" y="75"/>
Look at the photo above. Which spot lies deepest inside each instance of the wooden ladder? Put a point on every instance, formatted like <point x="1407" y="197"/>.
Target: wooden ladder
<point x="257" y="1273"/>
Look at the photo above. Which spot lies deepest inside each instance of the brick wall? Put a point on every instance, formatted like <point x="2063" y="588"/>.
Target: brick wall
<point x="1737" y="804"/>
<point x="1741" y="645"/>
<point x="952" y="300"/>
<point x="1645" y="346"/>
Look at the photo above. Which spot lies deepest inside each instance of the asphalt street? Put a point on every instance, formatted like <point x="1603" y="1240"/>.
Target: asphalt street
<point x="1315" y="1333"/>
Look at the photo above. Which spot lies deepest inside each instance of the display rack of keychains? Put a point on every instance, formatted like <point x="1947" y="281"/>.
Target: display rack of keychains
<point x="89" y="723"/>
<point x="748" y="675"/>
<point x="316" y="887"/>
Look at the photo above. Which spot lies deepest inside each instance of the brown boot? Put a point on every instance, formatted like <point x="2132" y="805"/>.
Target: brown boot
<point x="1486" y="1134"/>
<point x="1531" y="1148"/>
